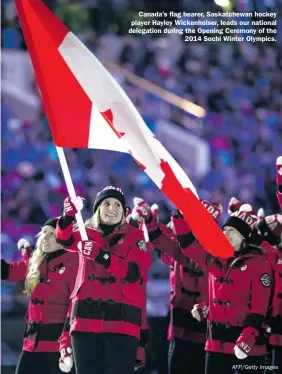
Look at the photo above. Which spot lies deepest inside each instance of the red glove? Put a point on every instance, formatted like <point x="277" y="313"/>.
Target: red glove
<point x="141" y="210"/>
<point x="245" y="342"/>
<point x="73" y="205"/>
<point x="234" y="205"/>
<point x="89" y="249"/>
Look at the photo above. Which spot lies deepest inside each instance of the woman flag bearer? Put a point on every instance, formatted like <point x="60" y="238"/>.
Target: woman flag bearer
<point x="49" y="277"/>
<point x="108" y="297"/>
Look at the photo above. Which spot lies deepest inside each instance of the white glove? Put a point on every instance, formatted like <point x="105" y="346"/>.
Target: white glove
<point x="66" y="360"/>
<point x="239" y="354"/>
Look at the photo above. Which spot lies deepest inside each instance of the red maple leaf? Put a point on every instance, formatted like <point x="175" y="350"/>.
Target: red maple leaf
<point x="109" y="117"/>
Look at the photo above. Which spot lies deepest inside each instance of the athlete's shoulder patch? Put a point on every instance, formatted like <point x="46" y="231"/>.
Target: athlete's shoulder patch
<point x="141" y="244"/>
<point x="265" y="280"/>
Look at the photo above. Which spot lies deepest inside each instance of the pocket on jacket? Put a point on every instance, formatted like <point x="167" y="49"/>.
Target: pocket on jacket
<point x="133" y="293"/>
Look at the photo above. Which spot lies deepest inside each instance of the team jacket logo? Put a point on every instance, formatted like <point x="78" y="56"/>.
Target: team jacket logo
<point x="265" y="280"/>
<point x="87" y="248"/>
<point x="141" y="244"/>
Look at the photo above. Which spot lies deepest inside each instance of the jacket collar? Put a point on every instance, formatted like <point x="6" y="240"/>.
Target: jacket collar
<point x="51" y="256"/>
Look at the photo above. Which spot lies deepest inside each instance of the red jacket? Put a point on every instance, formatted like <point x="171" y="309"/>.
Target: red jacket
<point x="50" y="300"/>
<point x="274" y="319"/>
<point x="239" y="293"/>
<point x="106" y="300"/>
<point x="189" y="285"/>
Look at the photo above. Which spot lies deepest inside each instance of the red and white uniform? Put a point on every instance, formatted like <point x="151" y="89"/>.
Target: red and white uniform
<point x="105" y="299"/>
<point x="50" y="300"/>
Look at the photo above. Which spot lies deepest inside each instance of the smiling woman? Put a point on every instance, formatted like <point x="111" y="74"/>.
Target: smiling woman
<point x="49" y="275"/>
<point x="108" y="297"/>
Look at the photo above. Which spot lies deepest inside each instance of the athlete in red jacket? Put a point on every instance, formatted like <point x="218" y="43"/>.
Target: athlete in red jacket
<point x="239" y="293"/>
<point x="270" y="228"/>
<point x="189" y="287"/>
<point x="108" y="297"/>
<point x="49" y="279"/>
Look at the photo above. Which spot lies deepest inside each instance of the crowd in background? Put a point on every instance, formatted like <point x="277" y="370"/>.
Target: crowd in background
<point x="239" y="85"/>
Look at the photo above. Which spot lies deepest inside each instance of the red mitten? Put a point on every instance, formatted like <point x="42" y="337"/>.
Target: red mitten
<point x="66" y="359"/>
<point x="141" y="210"/>
<point x="73" y="205"/>
<point x="234" y="205"/>
<point x="245" y="342"/>
<point x="89" y="249"/>
<point x="25" y="249"/>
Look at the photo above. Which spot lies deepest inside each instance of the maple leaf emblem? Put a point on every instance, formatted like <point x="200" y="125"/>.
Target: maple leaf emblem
<point x="109" y="117"/>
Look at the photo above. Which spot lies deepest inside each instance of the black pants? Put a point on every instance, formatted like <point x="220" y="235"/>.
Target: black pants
<point x="186" y="357"/>
<point x="273" y="361"/>
<point x="104" y="353"/>
<point x="39" y="363"/>
<point x="222" y="363"/>
<point x="158" y="345"/>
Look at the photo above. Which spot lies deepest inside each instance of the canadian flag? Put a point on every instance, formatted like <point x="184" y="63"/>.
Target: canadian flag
<point x="86" y="108"/>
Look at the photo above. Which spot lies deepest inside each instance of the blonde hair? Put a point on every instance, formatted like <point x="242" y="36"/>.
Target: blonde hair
<point x="95" y="221"/>
<point x="33" y="273"/>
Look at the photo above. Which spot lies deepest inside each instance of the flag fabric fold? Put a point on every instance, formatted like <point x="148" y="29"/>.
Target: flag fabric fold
<point x="87" y="108"/>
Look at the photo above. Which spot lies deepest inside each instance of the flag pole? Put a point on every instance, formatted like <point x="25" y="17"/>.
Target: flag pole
<point x="71" y="190"/>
